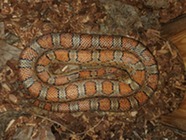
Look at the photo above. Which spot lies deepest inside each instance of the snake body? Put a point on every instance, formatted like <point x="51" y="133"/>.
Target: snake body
<point x="99" y="72"/>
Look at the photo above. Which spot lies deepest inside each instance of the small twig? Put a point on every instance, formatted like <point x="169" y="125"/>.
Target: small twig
<point x="85" y="132"/>
<point x="54" y="122"/>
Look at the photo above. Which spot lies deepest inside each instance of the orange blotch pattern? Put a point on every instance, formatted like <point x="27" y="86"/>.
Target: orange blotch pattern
<point x="84" y="105"/>
<point x="129" y="42"/>
<point x="106" y="56"/>
<point x="153" y="81"/>
<point x="129" y="58"/>
<point x="150" y="61"/>
<point x="64" y="107"/>
<point x="104" y="104"/>
<point x="90" y="88"/>
<point x="43" y="60"/>
<point x="45" y="41"/>
<point x="35" y="89"/>
<point x="48" y="106"/>
<point x="61" y="80"/>
<point x="66" y="40"/>
<point x="25" y="73"/>
<point x="124" y="89"/>
<point x="86" y="41"/>
<point x="107" y="87"/>
<point x="139" y="77"/>
<point x="44" y="76"/>
<point x="72" y="91"/>
<point x="124" y="104"/>
<point x="141" y="97"/>
<point x="84" y="74"/>
<point x="101" y="72"/>
<point x="84" y="56"/>
<point x="52" y="94"/>
<point x="28" y="54"/>
<point x="62" y="55"/>
<point x="106" y="41"/>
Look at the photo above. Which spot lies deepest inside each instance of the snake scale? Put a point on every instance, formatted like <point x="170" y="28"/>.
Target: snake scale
<point x="95" y="72"/>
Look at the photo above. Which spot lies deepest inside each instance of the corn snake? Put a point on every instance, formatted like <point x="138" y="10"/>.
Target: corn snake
<point x="100" y="72"/>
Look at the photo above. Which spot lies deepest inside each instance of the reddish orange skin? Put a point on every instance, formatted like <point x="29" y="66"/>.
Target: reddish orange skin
<point x="107" y="87"/>
<point x="92" y="78"/>
<point x="91" y="88"/>
<point x="72" y="92"/>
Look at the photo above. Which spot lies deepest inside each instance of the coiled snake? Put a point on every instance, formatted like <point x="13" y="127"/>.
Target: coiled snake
<point x="99" y="72"/>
